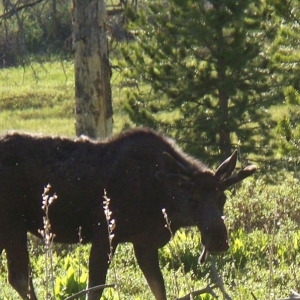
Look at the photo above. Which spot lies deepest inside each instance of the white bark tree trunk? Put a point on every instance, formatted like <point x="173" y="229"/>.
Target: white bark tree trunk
<point x="93" y="104"/>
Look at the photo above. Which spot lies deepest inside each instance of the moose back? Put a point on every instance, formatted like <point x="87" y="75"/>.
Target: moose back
<point x="142" y="173"/>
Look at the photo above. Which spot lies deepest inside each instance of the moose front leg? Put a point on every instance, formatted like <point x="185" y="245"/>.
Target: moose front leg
<point x="98" y="263"/>
<point x="147" y="259"/>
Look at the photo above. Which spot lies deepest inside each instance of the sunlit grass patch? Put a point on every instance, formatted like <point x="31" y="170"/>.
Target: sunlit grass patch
<point x="19" y="121"/>
<point x="38" y="98"/>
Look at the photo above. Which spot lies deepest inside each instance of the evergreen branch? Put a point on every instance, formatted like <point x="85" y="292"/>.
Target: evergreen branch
<point x="292" y="15"/>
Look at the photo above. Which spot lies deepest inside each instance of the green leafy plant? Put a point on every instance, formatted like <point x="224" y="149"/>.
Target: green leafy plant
<point x="69" y="283"/>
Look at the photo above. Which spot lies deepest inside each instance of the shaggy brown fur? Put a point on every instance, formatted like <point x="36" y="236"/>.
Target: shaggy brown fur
<point x="142" y="173"/>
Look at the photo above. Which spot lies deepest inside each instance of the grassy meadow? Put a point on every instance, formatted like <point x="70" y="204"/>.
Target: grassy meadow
<point x="263" y="219"/>
<point x="40" y="98"/>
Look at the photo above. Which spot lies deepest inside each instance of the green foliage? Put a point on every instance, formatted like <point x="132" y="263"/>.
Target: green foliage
<point x="288" y="127"/>
<point x="207" y="63"/>
<point x="258" y="205"/>
<point x="68" y="268"/>
<point x="39" y="29"/>
<point x="183" y="251"/>
<point x="68" y="283"/>
<point x="286" y="58"/>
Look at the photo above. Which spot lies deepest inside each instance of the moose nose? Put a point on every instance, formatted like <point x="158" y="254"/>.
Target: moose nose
<point x="218" y="247"/>
<point x="215" y="238"/>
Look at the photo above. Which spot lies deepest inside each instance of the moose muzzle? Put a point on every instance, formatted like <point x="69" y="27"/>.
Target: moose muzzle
<point x="214" y="239"/>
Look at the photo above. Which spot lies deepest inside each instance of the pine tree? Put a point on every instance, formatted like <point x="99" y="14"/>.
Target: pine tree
<point x="286" y="62"/>
<point x="202" y="75"/>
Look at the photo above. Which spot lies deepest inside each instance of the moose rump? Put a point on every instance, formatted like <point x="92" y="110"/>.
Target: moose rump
<point x="142" y="172"/>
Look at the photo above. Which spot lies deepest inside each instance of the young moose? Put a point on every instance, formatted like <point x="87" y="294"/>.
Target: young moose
<point x="142" y="172"/>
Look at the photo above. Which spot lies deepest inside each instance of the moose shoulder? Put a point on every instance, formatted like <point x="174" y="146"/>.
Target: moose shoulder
<point x="142" y="172"/>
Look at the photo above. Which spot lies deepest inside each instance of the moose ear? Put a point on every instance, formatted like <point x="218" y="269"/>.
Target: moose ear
<point x="227" y="167"/>
<point x="173" y="169"/>
<point x="241" y="175"/>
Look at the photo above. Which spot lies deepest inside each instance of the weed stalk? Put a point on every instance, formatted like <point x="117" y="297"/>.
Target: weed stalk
<point x="176" y="254"/>
<point x="48" y="237"/>
<point x="79" y="252"/>
<point x="111" y="225"/>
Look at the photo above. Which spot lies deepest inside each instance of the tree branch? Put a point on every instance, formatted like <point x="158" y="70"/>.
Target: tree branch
<point x="218" y="279"/>
<point x="94" y="288"/>
<point x="206" y="290"/>
<point x="293" y="296"/>
<point x="16" y="9"/>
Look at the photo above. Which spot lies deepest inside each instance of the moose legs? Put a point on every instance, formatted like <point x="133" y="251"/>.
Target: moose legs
<point x="98" y="264"/>
<point x="18" y="264"/>
<point x="147" y="259"/>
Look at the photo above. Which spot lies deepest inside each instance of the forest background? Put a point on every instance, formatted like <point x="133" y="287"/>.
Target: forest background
<point x="215" y="75"/>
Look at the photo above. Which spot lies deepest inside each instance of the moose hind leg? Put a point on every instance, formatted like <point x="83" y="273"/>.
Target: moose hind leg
<point x="18" y="266"/>
<point x="147" y="259"/>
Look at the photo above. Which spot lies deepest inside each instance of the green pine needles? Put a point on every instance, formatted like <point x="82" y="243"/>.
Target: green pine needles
<point x="202" y="75"/>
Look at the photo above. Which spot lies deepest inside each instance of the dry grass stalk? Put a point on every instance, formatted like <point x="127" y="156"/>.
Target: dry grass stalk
<point x="168" y="226"/>
<point x="110" y="228"/>
<point x="48" y="237"/>
<point x="176" y="254"/>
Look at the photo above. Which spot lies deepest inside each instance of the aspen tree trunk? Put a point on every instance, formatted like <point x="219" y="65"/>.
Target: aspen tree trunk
<point x="93" y="104"/>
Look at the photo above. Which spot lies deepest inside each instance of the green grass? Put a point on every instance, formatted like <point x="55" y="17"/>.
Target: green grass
<point x="263" y="219"/>
<point x="38" y="99"/>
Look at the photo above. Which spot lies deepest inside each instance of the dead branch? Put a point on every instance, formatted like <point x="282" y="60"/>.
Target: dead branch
<point x="114" y="12"/>
<point x="209" y="289"/>
<point x="94" y="288"/>
<point x="252" y="294"/>
<point x="294" y="295"/>
<point x="218" y="279"/>
<point x="206" y="290"/>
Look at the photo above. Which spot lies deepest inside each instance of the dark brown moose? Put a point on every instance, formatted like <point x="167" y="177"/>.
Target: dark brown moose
<point x="142" y="172"/>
